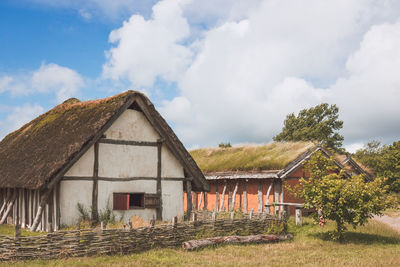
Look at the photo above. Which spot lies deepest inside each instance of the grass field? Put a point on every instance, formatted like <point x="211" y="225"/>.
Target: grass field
<point x="372" y="245"/>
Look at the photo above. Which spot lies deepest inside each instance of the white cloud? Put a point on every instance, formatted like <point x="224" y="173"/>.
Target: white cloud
<point x="49" y="78"/>
<point x="54" y="78"/>
<point x="18" y="117"/>
<point x="147" y="49"/>
<point x="288" y="55"/>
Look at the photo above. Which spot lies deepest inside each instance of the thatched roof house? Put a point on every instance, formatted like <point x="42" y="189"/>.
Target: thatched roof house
<point x="253" y="175"/>
<point x="80" y="146"/>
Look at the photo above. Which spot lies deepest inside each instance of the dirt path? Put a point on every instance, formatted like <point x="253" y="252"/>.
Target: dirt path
<point x="393" y="222"/>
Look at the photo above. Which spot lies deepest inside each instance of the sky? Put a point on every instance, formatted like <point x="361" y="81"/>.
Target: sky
<point x="217" y="70"/>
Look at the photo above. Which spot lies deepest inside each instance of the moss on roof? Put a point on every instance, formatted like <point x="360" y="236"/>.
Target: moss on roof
<point x="272" y="156"/>
<point x="40" y="148"/>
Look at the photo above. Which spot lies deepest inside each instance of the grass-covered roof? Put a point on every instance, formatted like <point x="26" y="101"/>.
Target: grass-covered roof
<point x="272" y="156"/>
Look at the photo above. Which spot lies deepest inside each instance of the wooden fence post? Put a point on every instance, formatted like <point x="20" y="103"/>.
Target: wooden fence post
<point x="214" y="216"/>
<point x="194" y="216"/>
<point x="174" y="221"/>
<point x="17" y="230"/>
<point x="299" y="216"/>
<point x="251" y="213"/>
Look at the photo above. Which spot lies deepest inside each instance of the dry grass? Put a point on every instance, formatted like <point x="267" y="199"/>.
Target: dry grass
<point x="372" y="245"/>
<point x="272" y="156"/>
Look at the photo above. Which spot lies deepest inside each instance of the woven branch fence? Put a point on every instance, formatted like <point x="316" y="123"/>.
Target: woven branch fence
<point x="78" y="243"/>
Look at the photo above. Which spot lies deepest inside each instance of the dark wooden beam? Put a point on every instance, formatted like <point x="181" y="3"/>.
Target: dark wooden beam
<point x="95" y="190"/>
<point x="127" y="143"/>
<point x="189" y="198"/>
<point x="111" y="179"/>
<point x="159" y="187"/>
<point x="58" y="207"/>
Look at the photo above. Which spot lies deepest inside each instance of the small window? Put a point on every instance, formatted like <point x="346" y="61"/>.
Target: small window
<point x="136" y="200"/>
<point x="128" y="201"/>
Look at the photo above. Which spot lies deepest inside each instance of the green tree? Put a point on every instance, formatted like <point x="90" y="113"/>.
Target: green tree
<point x="370" y="155"/>
<point x="339" y="198"/>
<point x="389" y="166"/>
<point x="319" y="123"/>
<point x="384" y="161"/>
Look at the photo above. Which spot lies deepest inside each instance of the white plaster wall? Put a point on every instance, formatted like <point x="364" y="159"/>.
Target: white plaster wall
<point x="121" y="161"/>
<point x="132" y="125"/>
<point x="172" y="199"/>
<point x="106" y="190"/>
<point x="84" y="166"/>
<point x="170" y="166"/>
<point x="72" y="193"/>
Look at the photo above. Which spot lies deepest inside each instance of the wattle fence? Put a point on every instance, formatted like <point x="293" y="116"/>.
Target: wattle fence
<point x="77" y="243"/>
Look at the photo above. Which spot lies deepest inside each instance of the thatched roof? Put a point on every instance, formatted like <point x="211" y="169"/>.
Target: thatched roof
<point x="41" y="151"/>
<point x="272" y="156"/>
<point x="273" y="160"/>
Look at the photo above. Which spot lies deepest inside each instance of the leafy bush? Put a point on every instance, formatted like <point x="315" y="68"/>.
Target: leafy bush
<point x="84" y="214"/>
<point x="339" y="198"/>
<point x="225" y="145"/>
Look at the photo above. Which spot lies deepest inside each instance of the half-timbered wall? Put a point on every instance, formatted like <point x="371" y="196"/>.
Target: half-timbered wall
<point x="131" y="158"/>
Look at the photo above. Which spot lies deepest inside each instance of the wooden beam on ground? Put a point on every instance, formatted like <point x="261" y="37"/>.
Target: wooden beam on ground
<point x="250" y="239"/>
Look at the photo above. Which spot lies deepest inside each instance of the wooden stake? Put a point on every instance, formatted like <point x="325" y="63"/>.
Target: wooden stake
<point x="299" y="217"/>
<point x="223" y="198"/>
<point x="201" y="199"/>
<point x="39" y="212"/>
<point x="6" y="200"/>
<point x="205" y="201"/>
<point x="245" y="196"/>
<point x="260" y="202"/>
<point x="9" y="206"/>
<point x="267" y="198"/>
<point x="189" y="198"/>
<point x="234" y="195"/>
<point x="216" y="195"/>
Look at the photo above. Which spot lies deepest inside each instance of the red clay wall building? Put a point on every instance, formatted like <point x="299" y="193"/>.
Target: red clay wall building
<point x="252" y="193"/>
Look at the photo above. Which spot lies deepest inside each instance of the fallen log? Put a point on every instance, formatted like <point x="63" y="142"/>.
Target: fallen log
<point x="250" y="239"/>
